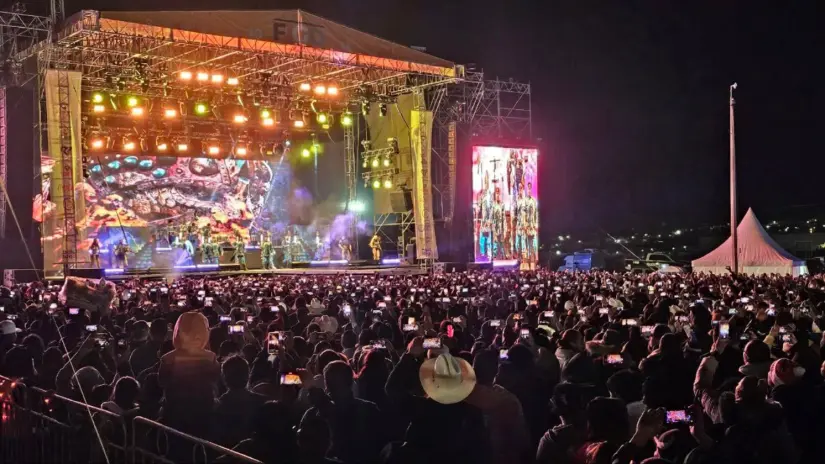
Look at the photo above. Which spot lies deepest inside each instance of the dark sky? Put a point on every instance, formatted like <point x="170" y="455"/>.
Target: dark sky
<point x="630" y="97"/>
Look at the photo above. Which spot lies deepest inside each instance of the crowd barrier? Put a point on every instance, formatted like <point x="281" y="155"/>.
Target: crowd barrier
<point x="39" y="426"/>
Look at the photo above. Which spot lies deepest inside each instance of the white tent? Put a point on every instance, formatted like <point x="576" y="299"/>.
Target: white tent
<point x="758" y="253"/>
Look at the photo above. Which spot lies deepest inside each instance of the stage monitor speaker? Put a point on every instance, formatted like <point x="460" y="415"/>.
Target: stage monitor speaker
<point x="226" y="256"/>
<point x="401" y="201"/>
<point x="253" y="260"/>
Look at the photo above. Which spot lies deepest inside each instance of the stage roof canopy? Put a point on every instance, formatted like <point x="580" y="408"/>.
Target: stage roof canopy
<point x="295" y="27"/>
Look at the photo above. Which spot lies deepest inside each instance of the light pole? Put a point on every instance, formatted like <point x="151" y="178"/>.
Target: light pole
<point x="733" y="222"/>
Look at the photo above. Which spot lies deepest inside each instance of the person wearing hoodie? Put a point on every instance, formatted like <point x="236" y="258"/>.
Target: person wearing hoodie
<point x="558" y="443"/>
<point x="757" y="357"/>
<point x="189" y="375"/>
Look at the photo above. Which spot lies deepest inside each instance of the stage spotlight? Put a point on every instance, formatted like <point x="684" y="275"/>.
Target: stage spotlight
<point x="365" y="108"/>
<point x="266" y="114"/>
<point x="182" y="147"/>
<point x="239" y="119"/>
<point x="320" y="89"/>
<point x="268" y="122"/>
<point x="298" y="124"/>
<point x="322" y="118"/>
<point x="97" y="97"/>
<point x="99" y="109"/>
<point x="201" y="109"/>
<point x="202" y="77"/>
<point x="364" y="164"/>
<point x="305" y="153"/>
<point x="375" y="162"/>
<point x="388" y="183"/>
<point x="357" y="207"/>
<point x="332" y="91"/>
<point x="170" y="113"/>
<point x="97" y="143"/>
<point x="132" y="102"/>
<point x="232" y="81"/>
<point x="129" y="145"/>
<point x="376" y="184"/>
<point x="217" y="78"/>
<point x="305" y="87"/>
<point x="287" y="143"/>
<point x="387" y="162"/>
<point x="213" y="150"/>
<point x="241" y="150"/>
<point x="137" y="111"/>
<point x="382" y="109"/>
<point x="185" y="75"/>
<point x="161" y="145"/>
<point x="346" y="120"/>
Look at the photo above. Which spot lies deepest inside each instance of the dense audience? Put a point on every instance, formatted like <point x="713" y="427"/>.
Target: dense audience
<point x="500" y="367"/>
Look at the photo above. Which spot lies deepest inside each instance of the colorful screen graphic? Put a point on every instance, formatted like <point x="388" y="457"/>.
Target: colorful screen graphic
<point x="505" y="204"/>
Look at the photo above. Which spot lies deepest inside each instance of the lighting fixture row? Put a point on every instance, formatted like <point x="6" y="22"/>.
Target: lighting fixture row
<point x="207" y="78"/>
<point x="97" y="143"/>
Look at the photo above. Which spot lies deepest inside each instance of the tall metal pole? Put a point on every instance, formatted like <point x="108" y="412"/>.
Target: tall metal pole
<point x="733" y="234"/>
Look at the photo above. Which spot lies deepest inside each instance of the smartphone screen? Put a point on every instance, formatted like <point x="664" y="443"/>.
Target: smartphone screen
<point x="290" y="379"/>
<point x="495" y="323"/>
<point x="410" y="327"/>
<point x="91" y="328"/>
<point x="74" y="311"/>
<point x="432" y="343"/>
<point x="524" y="334"/>
<point x="450" y="331"/>
<point x="502" y="354"/>
<point x="614" y="359"/>
<point x="724" y="331"/>
<point x="272" y="342"/>
<point x="236" y="329"/>
<point x="678" y="416"/>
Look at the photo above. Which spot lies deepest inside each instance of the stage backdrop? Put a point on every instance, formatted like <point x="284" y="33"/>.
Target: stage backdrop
<point x="505" y="203"/>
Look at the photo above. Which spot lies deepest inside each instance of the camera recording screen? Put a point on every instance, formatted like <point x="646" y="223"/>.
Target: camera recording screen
<point x="505" y="203"/>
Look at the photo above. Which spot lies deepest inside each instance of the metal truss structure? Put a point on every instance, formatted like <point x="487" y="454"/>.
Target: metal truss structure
<point x="3" y="158"/>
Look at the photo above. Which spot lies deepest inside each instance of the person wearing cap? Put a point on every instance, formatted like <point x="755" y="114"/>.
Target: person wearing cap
<point x="8" y="337"/>
<point x="148" y="353"/>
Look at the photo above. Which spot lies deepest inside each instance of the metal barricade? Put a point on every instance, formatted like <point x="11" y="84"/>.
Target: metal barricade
<point x="154" y="443"/>
<point x="39" y="426"/>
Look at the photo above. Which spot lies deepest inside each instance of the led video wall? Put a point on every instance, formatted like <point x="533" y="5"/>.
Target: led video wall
<point x="505" y="204"/>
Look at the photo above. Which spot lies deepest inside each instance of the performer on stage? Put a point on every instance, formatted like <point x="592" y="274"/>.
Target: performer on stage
<point x="94" y="251"/>
<point x="375" y="244"/>
<point x="267" y="255"/>
<point x="208" y="252"/>
<point x="346" y="249"/>
<point x="240" y="252"/>
<point x="120" y="254"/>
<point x="286" y="242"/>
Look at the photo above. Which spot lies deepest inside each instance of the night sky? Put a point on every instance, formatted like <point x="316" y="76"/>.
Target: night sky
<point x="630" y="97"/>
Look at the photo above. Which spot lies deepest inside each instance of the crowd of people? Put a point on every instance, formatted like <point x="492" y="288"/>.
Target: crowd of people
<point x="476" y="366"/>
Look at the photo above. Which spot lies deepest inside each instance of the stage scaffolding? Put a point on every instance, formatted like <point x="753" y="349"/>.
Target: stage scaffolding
<point x="105" y="49"/>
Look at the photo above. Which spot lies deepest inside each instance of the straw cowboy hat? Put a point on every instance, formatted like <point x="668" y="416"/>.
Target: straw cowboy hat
<point x="315" y="307"/>
<point x="568" y="305"/>
<point x="327" y="324"/>
<point x="615" y="303"/>
<point x="447" y="379"/>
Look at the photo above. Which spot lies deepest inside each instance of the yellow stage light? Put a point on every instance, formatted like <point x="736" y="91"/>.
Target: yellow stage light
<point x="162" y="146"/>
<point x="99" y="108"/>
<point x="138" y="111"/>
<point x="268" y="122"/>
<point x="217" y="78"/>
<point x="376" y="184"/>
<point x="97" y="144"/>
<point x="241" y="151"/>
<point x="203" y="77"/>
<point x="185" y="75"/>
<point x="213" y="150"/>
<point x="332" y="91"/>
<point x="170" y="113"/>
<point x="321" y="118"/>
<point x="305" y="87"/>
<point x="132" y="101"/>
<point x="182" y="147"/>
<point x="346" y="120"/>
<point x="129" y="145"/>
<point x="298" y="123"/>
<point x="375" y="162"/>
<point x="306" y="153"/>
<point x="320" y="89"/>
<point x="266" y="114"/>
<point x="233" y="81"/>
<point x="239" y="119"/>
<point x="97" y="97"/>
<point x="388" y="183"/>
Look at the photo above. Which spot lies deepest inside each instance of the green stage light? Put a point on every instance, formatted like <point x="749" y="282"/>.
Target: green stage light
<point x="132" y="102"/>
<point x="97" y="97"/>
<point x="306" y="153"/>
<point x="201" y="108"/>
<point x="266" y="114"/>
<point x="375" y="162"/>
<point x="376" y="184"/>
<point x="387" y="162"/>
<point x="388" y="183"/>
<point x="346" y="120"/>
<point x="322" y="118"/>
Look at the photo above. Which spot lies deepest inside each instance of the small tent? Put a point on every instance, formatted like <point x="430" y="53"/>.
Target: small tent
<point x="758" y="253"/>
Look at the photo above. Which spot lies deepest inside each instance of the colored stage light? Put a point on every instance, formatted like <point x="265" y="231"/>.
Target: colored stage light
<point x="321" y="118"/>
<point x="332" y="91"/>
<point x="162" y="146"/>
<point x="132" y="102"/>
<point x="233" y="81"/>
<point x="320" y="89"/>
<point x="266" y="114"/>
<point x="387" y="162"/>
<point x="239" y="119"/>
<point x="97" y="97"/>
<point x="185" y="75"/>
<point x="182" y="147"/>
<point x="268" y="122"/>
<point x="138" y="111"/>
<point x="346" y="120"/>
<point x="298" y="124"/>
<point x="375" y="162"/>
<point x="357" y="207"/>
<point x="129" y="145"/>
<point x="201" y="109"/>
<point x="305" y="87"/>
<point x="364" y="164"/>
<point x="99" y="108"/>
<point x="376" y="184"/>
<point x="241" y="150"/>
<point x="217" y="78"/>
<point x="170" y="113"/>
<point x="203" y="77"/>
<point x="213" y="150"/>
<point x="97" y="143"/>
<point x="388" y="183"/>
<point x="287" y="143"/>
<point x="306" y="153"/>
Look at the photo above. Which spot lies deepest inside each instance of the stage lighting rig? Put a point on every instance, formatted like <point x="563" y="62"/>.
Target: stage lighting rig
<point x="346" y="119"/>
<point x="185" y="76"/>
<point x="161" y="145"/>
<point x="305" y="87"/>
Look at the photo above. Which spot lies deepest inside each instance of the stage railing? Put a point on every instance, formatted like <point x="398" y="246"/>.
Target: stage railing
<point x="39" y="426"/>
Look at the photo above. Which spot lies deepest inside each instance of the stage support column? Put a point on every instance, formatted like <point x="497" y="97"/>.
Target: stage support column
<point x="421" y="125"/>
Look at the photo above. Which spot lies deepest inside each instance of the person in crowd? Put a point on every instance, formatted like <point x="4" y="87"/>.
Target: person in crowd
<point x="236" y="408"/>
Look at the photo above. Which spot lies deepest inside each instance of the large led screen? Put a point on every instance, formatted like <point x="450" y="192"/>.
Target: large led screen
<point x="505" y="204"/>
